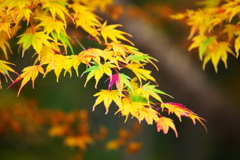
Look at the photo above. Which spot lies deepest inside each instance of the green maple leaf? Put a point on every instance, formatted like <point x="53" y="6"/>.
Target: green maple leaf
<point x="36" y="39"/>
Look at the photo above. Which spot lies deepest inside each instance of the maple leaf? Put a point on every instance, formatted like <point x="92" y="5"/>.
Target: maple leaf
<point x="231" y="30"/>
<point x="30" y="72"/>
<point x="15" y="3"/>
<point x="118" y="48"/>
<point x="232" y="9"/>
<point x="180" y="110"/>
<point x="177" y="108"/>
<point x="19" y="14"/>
<point x="148" y="90"/>
<point x="50" y="24"/>
<point x="56" y="8"/>
<point x="140" y="72"/>
<point x="216" y="52"/>
<point x="148" y="114"/>
<point x="57" y="64"/>
<point x="139" y="57"/>
<point x="54" y="61"/>
<point x="130" y="107"/>
<point x="164" y="123"/>
<point x="194" y="117"/>
<point x="205" y="44"/>
<point x="5" y="26"/>
<point x="4" y="70"/>
<point x="120" y="80"/>
<point x="74" y="62"/>
<point x="107" y="96"/>
<point x="87" y="56"/>
<point x="98" y="70"/>
<point x="85" y="18"/>
<point x="109" y="31"/>
<point x="35" y="39"/>
<point x="197" y="41"/>
<point x="4" y="45"/>
<point x="96" y="55"/>
<point x="64" y="39"/>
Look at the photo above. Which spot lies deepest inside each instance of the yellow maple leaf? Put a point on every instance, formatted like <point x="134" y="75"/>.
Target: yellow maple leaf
<point x="56" y="8"/>
<point x="142" y="74"/>
<point x="6" y="27"/>
<point x="231" y="30"/>
<point x="150" y="115"/>
<point x="148" y="90"/>
<point x="85" y="18"/>
<point x="109" y="31"/>
<point x="36" y="39"/>
<point x="197" y="41"/>
<point x="97" y="72"/>
<point x="54" y="61"/>
<point x="50" y="24"/>
<point x="107" y="96"/>
<point x="96" y="55"/>
<point x="15" y="4"/>
<point x="4" y="45"/>
<point x="19" y="14"/>
<point x="231" y="9"/>
<point x="194" y="117"/>
<point x="30" y="72"/>
<point x="129" y="107"/>
<point x="4" y="70"/>
<point x="164" y="123"/>
<point x="216" y="52"/>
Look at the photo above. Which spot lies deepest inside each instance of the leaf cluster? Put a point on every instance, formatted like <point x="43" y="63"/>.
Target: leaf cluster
<point x="46" y="38"/>
<point x="214" y="30"/>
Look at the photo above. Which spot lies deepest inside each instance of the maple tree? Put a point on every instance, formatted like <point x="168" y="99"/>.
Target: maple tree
<point x="41" y="29"/>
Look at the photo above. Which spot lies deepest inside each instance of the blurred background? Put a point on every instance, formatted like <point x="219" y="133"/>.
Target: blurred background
<point x="214" y="96"/>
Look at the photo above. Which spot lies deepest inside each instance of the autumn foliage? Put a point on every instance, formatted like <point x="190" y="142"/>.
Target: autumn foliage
<point x="217" y="34"/>
<point x="42" y="29"/>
